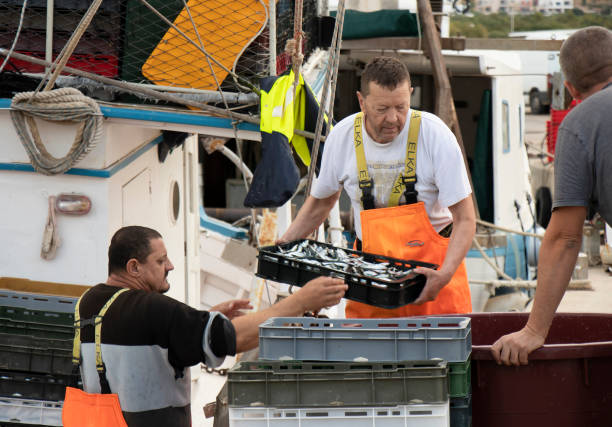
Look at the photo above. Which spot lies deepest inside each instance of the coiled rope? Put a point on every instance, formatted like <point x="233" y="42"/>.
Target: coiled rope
<point x="66" y="104"/>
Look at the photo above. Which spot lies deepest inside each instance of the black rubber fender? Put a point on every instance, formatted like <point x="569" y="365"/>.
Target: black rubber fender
<point x="543" y="206"/>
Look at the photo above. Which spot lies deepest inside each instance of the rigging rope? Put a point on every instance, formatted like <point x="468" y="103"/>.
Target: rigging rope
<point x="298" y="35"/>
<point x="235" y="76"/>
<point x="23" y="9"/>
<point x="234" y="127"/>
<point x="138" y="89"/>
<point x="508" y="230"/>
<point x="62" y="58"/>
<point x="67" y="104"/>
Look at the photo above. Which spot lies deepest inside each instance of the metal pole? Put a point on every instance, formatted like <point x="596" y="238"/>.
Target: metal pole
<point x="334" y="50"/>
<point x="272" y="36"/>
<point x="49" y="33"/>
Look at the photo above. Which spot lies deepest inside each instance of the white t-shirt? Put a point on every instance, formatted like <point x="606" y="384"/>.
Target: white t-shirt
<point x="441" y="176"/>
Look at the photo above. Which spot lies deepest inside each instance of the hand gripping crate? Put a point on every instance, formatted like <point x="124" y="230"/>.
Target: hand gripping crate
<point x="374" y="340"/>
<point x="275" y="265"/>
<point x="321" y="384"/>
<point x="427" y="415"/>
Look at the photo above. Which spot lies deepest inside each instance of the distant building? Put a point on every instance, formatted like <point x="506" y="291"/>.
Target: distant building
<point x="516" y="6"/>
<point x="487" y="6"/>
<point x="546" y="7"/>
<point x="553" y="6"/>
<point x="590" y="6"/>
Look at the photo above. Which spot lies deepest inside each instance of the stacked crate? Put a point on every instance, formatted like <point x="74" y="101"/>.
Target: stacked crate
<point x="374" y="372"/>
<point x="36" y="333"/>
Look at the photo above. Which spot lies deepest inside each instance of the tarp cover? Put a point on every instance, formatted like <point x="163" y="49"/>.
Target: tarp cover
<point x="381" y="23"/>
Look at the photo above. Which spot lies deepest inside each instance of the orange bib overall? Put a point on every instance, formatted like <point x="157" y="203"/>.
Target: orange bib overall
<point x="405" y="232"/>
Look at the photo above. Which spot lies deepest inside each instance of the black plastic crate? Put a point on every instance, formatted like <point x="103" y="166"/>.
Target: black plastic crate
<point x="36" y="386"/>
<point x="35" y="354"/>
<point x="274" y="265"/>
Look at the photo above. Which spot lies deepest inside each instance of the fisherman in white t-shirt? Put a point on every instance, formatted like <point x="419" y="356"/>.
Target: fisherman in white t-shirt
<point x="404" y="173"/>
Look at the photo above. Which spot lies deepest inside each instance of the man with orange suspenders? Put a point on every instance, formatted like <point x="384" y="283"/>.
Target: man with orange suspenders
<point x="404" y="173"/>
<point x="134" y="344"/>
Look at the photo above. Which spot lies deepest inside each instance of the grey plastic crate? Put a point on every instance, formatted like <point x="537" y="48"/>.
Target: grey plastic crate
<point x="53" y="303"/>
<point x="35" y="354"/>
<point x="374" y="340"/>
<point x="315" y="384"/>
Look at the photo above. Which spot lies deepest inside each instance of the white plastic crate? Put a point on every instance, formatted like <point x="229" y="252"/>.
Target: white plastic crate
<point x="26" y="411"/>
<point x="395" y="416"/>
<point x="374" y="340"/>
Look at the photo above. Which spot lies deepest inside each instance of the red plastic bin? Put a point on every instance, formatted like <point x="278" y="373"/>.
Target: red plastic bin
<point x="567" y="383"/>
<point x="103" y="65"/>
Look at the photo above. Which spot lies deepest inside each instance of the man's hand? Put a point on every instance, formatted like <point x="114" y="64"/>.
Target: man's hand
<point x="436" y="280"/>
<point x="233" y="308"/>
<point x="513" y="349"/>
<point x="321" y="292"/>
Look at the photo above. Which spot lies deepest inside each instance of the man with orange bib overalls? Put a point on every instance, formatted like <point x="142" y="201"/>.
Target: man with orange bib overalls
<point x="404" y="173"/>
<point x="134" y="344"/>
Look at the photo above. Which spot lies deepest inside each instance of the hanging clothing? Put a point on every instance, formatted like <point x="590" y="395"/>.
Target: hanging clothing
<point x="276" y="177"/>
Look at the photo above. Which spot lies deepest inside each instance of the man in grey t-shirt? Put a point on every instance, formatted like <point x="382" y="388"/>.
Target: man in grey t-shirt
<point x="583" y="179"/>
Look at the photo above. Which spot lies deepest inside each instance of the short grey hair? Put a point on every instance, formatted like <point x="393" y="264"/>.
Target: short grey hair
<point x="385" y="71"/>
<point x="586" y="57"/>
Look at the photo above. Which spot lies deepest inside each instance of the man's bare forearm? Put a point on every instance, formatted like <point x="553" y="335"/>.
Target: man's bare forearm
<point x="318" y="293"/>
<point x="464" y="227"/>
<point x="558" y="255"/>
<point x="247" y="327"/>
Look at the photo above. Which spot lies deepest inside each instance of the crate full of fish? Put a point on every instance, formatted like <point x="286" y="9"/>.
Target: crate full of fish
<point x="372" y="279"/>
<point x="373" y="340"/>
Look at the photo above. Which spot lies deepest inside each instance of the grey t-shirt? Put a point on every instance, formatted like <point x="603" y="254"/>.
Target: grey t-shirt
<point x="583" y="156"/>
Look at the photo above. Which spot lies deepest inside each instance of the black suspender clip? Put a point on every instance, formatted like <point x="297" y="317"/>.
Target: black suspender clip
<point x="410" y="193"/>
<point x="367" y="199"/>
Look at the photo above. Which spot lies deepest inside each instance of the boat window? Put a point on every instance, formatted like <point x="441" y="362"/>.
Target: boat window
<point x="505" y="126"/>
<point x="521" y="122"/>
<point x="175" y="197"/>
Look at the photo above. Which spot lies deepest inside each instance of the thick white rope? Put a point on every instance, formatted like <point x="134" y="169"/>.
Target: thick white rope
<point x="67" y="104"/>
<point x="489" y="261"/>
<point x="51" y="239"/>
<point x="508" y="230"/>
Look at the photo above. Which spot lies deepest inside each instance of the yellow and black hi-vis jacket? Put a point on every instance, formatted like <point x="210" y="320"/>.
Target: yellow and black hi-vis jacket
<point x="276" y="177"/>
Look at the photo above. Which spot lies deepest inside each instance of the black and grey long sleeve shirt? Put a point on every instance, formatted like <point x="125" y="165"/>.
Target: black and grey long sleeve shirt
<point x="148" y="342"/>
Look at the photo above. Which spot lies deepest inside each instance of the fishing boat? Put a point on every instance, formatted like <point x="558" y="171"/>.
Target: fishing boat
<point x="170" y="79"/>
